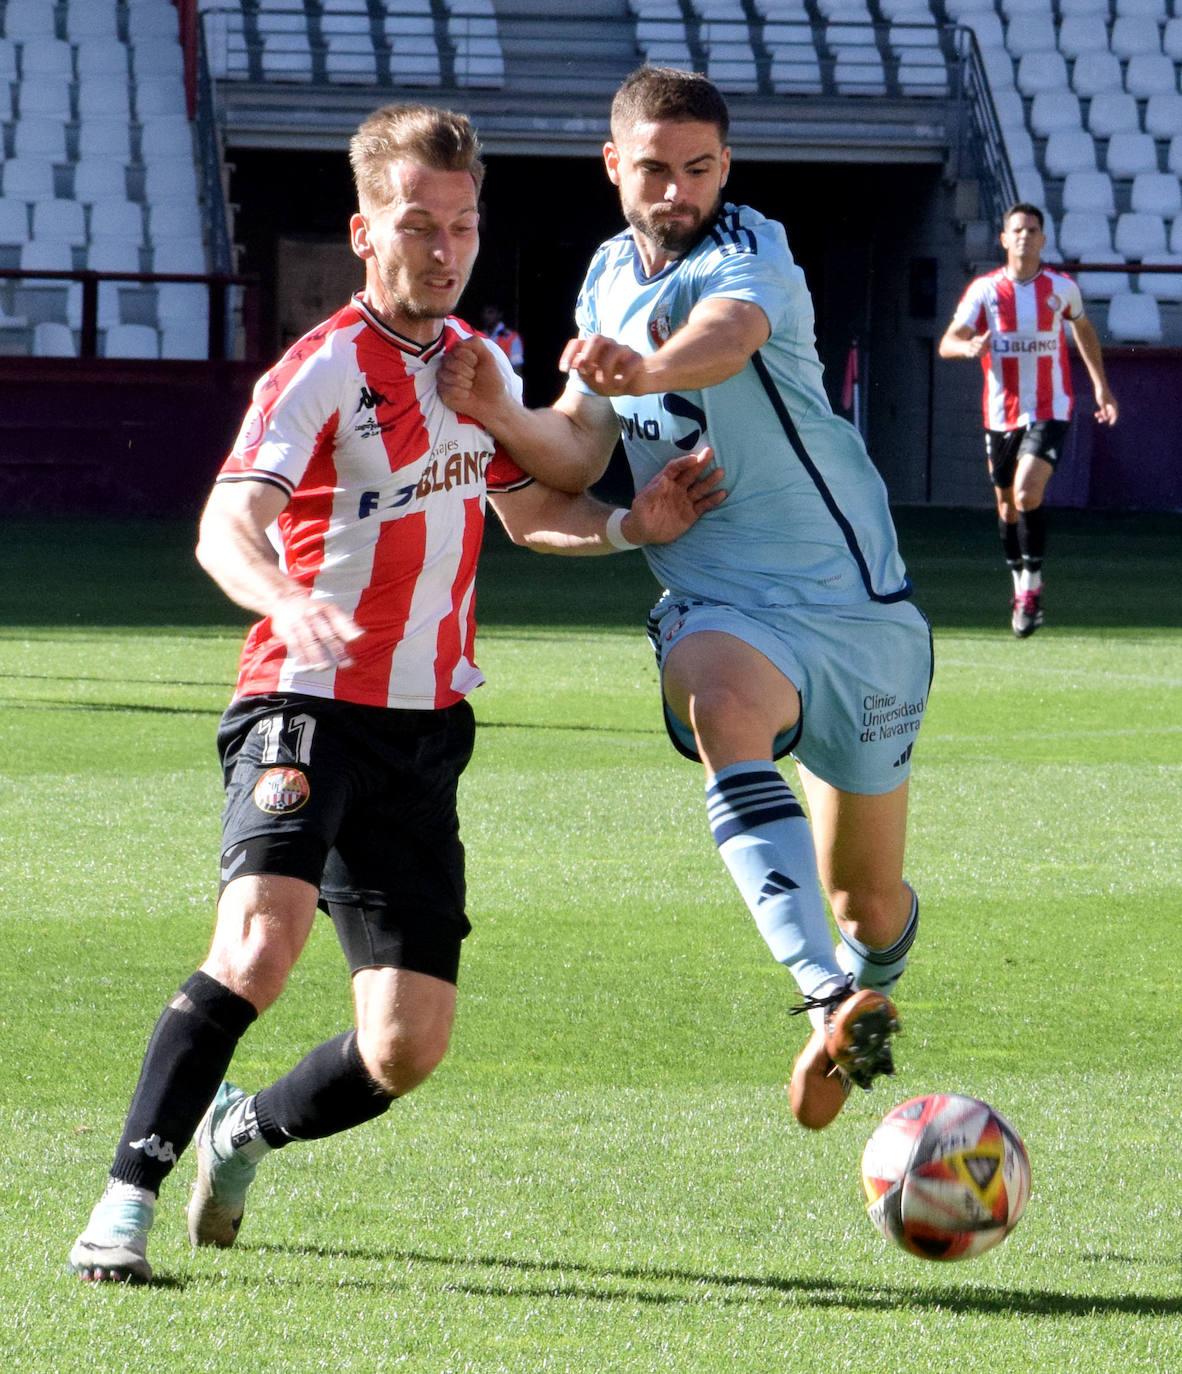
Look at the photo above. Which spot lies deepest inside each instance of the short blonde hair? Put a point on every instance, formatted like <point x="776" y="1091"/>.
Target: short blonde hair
<point x="438" y="139"/>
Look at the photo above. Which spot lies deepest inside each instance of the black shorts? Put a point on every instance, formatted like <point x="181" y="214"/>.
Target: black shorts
<point x="1003" y="447"/>
<point x="360" y="802"/>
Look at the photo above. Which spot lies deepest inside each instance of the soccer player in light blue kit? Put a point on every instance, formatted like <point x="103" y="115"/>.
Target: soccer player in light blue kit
<point x="786" y="626"/>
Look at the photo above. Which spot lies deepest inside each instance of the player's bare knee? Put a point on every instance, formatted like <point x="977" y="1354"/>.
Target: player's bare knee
<point x="400" y="1058"/>
<point x="875" y="916"/>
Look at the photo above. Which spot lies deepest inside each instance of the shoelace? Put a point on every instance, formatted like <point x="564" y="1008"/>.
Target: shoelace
<point x="829" y="1000"/>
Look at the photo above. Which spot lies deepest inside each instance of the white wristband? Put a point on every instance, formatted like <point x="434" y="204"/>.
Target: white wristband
<point x="614" y="534"/>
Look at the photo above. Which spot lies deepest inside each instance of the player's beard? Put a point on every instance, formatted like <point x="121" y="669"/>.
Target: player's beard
<point x="414" y="303"/>
<point x="675" y="238"/>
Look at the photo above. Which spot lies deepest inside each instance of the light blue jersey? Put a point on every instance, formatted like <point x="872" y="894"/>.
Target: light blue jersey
<point x="806" y="520"/>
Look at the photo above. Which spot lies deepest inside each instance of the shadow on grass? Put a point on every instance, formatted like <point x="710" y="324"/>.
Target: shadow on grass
<point x="1105" y="569"/>
<point x="628" y="1284"/>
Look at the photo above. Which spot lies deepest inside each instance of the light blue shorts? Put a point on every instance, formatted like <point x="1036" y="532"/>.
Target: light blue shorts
<point x="863" y="673"/>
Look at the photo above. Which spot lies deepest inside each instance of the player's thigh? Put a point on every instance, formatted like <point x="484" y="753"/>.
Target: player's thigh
<point x="263" y="923"/>
<point x="860" y="841"/>
<point x="735" y="698"/>
<point x="1030" y="480"/>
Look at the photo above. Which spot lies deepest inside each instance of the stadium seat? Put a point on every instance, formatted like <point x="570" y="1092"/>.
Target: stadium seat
<point x="1070" y="9"/>
<point x="1134" y="36"/>
<point x="472" y="28"/>
<point x="117" y="219"/>
<point x="39" y="137"/>
<point x="1156" y="193"/>
<point x="1163" y="286"/>
<point x="183" y="339"/>
<point x="349" y="52"/>
<point x="159" y="97"/>
<point x="25" y="19"/>
<point x="1030" y="33"/>
<point x="151" y="18"/>
<point x="46" y="56"/>
<point x="1018" y="9"/>
<point x="1042" y="70"/>
<point x="225" y="45"/>
<point x="1129" y="154"/>
<point x="1144" y="9"/>
<point x="105" y="57"/>
<point x="1089" y="191"/>
<point x="1020" y="147"/>
<point x="1051" y="111"/>
<point x="113" y="255"/>
<point x="1029" y="185"/>
<point x="1148" y="74"/>
<point x="105" y="138"/>
<point x="1011" y="109"/>
<point x="1138" y="233"/>
<point x="170" y="180"/>
<point x="64" y="220"/>
<point x="179" y="255"/>
<point x="28" y="178"/>
<point x="286" y="52"/>
<point x="1134" y="317"/>
<point x="795" y="65"/>
<point x="1069" y="150"/>
<point x="14" y="222"/>
<point x="1174" y="155"/>
<point x="167" y="137"/>
<point x="1094" y="72"/>
<point x="1171" y="38"/>
<point x="1083" y="33"/>
<point x="1099" y="285"/>
<point x="1113" y="112"/>
<point x="53" y="339"/>
<point x="1163" y="114"/>
<point x="103" y="97"/>
<point x="130" y="341"/>
<point x="1085" y="235"/>
<point x="46" y="97"/>
<point x="414" y="53"/>
<point x="90" y="20"/>
<point x="173" y="219"/>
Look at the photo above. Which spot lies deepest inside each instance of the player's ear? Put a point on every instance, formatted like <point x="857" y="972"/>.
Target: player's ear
<point x="611" y="160"/>
<point x="725" y="164"/>
<point x="359" y="236"/>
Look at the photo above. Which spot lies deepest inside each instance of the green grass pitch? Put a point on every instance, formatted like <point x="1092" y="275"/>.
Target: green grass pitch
<point x="604" y="1175"/>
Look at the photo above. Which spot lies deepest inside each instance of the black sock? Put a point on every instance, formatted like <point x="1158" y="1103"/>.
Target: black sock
<point x="1032" y="538"/>
<point x="1009" y="543"/>
<point x="186" y="1059"/>
<point x="329" y="1090"/>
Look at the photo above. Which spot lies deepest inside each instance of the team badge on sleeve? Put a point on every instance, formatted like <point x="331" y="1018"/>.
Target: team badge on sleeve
<point x="281" y="791"/>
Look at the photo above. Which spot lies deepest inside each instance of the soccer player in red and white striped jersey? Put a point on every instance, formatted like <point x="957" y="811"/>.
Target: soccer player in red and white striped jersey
<point x="349" y="517"/>
<point x="1013" y="320"/>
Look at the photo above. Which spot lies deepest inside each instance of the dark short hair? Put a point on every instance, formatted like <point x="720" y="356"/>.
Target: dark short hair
<point x="1023" y="208"/>
<point x="650" y="94"/>
<point x="438" y="139"/>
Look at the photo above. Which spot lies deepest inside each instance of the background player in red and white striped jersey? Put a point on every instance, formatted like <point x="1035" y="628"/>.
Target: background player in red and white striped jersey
<point x="349" y="517"/>
<point x="1013" y="320"/>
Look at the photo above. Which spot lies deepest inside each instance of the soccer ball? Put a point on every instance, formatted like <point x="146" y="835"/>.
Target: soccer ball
<point x="946" y="1176"/>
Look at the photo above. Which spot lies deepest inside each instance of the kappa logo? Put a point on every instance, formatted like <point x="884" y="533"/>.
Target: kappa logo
<point x="155" y="1148"/>
<point x="775" y="885"/>
<point x="280" y="791"/>
<point x="371" y="399"/>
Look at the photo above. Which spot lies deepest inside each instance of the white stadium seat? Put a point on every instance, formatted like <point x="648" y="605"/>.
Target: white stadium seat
<point x="131" y="341"/>
<point x="1156" y="193"/>
<point x="1044" y="70"/>
<point x="1134" y="35"/>
<point x="1134" y="317"/>
<point x="1113" y="112"/>
<point x="1083" y="33"/>
<point x="1095" y="72"/>
<point x="1054" y="110"/>
<point x="1138" y="233"/>
<point x="1163" y="286"/>
<point x="1163" y="114"/>
<point x="1069" y="150"/>
<point x="1131" y="153"/>
<point x="1089" y="191"/>
<point x="1085" y="235"/>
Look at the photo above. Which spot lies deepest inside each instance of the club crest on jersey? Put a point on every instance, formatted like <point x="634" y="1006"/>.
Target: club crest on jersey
<point x="660" y="327"/>
<point x="280" y="791"/>
<point x="1054" y="303"/>
<point x="253" y="428"/>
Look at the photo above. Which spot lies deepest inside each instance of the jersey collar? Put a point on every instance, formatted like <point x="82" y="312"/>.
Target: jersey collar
<point x="400" y="341"/>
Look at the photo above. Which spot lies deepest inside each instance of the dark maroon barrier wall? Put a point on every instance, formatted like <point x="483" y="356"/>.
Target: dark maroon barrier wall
<point x="115" y="438"/>
<point x="1137" y="464"/>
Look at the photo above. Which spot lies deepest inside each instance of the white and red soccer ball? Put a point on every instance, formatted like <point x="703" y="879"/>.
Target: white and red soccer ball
<point x="946" y="1176"/>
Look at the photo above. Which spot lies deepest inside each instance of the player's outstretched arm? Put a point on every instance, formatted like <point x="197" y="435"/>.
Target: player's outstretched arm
<point x="550" y="521"/>
<point x="713" y="345"/>
<point x="234" y="550"/>
<point x="567" y="445"/>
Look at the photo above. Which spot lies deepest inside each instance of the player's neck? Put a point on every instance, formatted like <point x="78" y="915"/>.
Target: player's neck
<point x="1024" y="271"/>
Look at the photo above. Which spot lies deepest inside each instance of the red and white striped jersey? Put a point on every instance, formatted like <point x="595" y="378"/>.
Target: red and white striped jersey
<point x="1027" y="369"/>
<point x="386" y="515"/>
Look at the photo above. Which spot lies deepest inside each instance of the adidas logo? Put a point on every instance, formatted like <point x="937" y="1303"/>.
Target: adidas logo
<point x="775" y="885"/>
<point x="903" y="757"/>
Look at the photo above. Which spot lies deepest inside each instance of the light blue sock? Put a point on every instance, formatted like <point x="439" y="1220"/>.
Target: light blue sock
<point x="878" y="968"/>
<point x="763" y="836"/>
